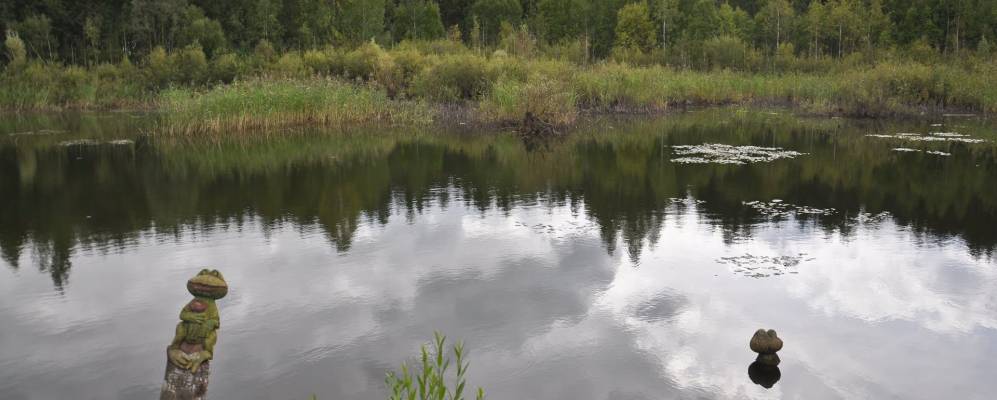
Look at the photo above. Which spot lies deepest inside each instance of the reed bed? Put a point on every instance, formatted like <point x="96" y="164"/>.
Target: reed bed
<point x="406" y="84"/>
<point x="267" y="104"/>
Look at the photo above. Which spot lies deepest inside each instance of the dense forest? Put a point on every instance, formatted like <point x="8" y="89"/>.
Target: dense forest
<point x="224" y="64"/>
<point x="91" y="31"/>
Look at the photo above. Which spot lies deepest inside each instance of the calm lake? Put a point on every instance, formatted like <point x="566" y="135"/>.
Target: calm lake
<point x="614" y="263"/>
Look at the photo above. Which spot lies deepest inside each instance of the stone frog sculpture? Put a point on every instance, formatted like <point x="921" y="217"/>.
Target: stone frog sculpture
<point x="766" y="344"/>
<point x="197" y="332"/>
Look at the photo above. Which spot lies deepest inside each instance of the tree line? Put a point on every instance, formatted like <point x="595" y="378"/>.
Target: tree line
<point x="93" y="31"/>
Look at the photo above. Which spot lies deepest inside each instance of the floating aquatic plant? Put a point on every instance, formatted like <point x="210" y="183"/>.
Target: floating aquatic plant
<point x="79" y="142"/>
<point x="764" y="266"/>
<point x="91" y="142"/>
<point x="948" y="134"/>
<point x="933" y="152"/>
<point x="40" y="132"/>
<point x="688" y="201"/>
<point x="778" y="208"/>
<point x="873" y="218"/>
<point x="712" y="153"/>
<point x="931" y="137"/>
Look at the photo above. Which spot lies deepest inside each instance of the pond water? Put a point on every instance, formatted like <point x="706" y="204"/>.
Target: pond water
<point x="588" y="267"/>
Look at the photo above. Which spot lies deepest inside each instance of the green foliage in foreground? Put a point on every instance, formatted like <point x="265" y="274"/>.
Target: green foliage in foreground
<point x="428" y="381"/>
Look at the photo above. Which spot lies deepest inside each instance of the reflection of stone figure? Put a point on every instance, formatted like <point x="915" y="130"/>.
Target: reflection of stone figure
<point x="766" y="344"/>
<point x="764" y="375"/>
<point x="194" y="343"/>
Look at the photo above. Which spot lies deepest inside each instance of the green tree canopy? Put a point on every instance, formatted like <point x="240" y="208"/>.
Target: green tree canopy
<point x="490" y="15"/>
<point x="634" y="29"/>
<point x="417" y="19"/>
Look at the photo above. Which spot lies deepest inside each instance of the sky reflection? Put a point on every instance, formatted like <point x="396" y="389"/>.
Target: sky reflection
<point x="544" y="309"/>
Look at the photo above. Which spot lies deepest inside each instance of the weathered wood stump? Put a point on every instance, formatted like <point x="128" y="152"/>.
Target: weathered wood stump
<point x="182" y="384"/>
<point x="533" y="126"/>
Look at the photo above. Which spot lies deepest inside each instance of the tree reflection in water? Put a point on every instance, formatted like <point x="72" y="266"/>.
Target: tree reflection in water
<point x="59" y="199"/>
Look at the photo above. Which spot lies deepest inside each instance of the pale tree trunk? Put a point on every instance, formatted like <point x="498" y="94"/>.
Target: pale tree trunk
<point x="778" y="29"/>
<point x="664" y="34"/>
<point x="840" y="39"/>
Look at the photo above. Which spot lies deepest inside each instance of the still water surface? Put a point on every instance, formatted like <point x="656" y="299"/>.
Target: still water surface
<point x="590" y="267"/>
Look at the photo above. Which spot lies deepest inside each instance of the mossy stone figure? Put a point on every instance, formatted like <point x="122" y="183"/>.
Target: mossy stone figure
<point x="766" y="343"/>
<point x="193" y="344"/>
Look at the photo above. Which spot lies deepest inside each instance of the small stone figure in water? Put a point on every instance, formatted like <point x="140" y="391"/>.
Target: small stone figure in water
<point x="193" y="345"/>
<point x="766" y="344"/>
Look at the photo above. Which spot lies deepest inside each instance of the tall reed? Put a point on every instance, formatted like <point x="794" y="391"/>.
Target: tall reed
<point x="429" y="380"/>
<point x="268" y="104"/>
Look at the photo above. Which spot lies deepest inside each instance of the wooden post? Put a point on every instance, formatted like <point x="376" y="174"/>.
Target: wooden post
<point x="181" y="384"/>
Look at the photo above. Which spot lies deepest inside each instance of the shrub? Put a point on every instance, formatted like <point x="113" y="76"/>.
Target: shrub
<point x="159" y="68"/>
<point x="73" y="86"/>
<point x="191" y="65"/>
<point x="785" y="57"/>
<point x="433" y="47"/>
<point x="518" y="42"/>
<point x="225" y="68"/>
<point x="409" y="64"/>
<point x="264" y="51"/>
<point x="323" y="62"/>
<point x="545" y="97"/>
<point x="455" y="77"/>
<point x="921" y="51"/>
<point x="290" y="65"/>
<point x="727" y="52"/>
<point x="363" y="62"/>
<point x="16" y="53"/>
<point x="106" y="72"/>
<point x="574" y="51"/>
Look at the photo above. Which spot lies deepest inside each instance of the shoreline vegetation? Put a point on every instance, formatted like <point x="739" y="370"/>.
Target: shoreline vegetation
<point x="497" y="64"/>
<point x="407" y="85"/>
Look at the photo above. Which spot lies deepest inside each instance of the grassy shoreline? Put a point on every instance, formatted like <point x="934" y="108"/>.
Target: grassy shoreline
<point x="408" y="85"/>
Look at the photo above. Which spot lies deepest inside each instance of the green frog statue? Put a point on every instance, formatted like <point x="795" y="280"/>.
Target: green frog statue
<point x="197" y="332"/>
<point x="193" y="346"/>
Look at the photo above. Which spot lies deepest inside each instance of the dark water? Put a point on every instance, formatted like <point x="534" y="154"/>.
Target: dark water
<point x="591" y="267"/>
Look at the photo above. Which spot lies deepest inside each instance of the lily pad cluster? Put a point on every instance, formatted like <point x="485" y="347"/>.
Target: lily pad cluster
<point x="873" y="218"/>
<point x="714" y="153"/>
<point x="932" y="152"/>
<point x="931" y="137"/>
<point x="753" y="266"/>
<point x="40" y="132"/>
<point x="689" y="201"/>
<point x="565" y="230"/>
<point x="91" y="142"/>
<point x="779" y="208"/>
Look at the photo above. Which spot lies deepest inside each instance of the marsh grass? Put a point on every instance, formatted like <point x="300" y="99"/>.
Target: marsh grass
<point x="268" y="104"/>
<point x="545" y="97"/>
<point x="429" y="379"/>
<point x="405" y="84"/>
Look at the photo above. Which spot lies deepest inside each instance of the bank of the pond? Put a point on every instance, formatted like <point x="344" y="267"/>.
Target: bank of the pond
<point x="260" y="103"/>
<point x="407" y="86"/>
<point x="265" y="104"/>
